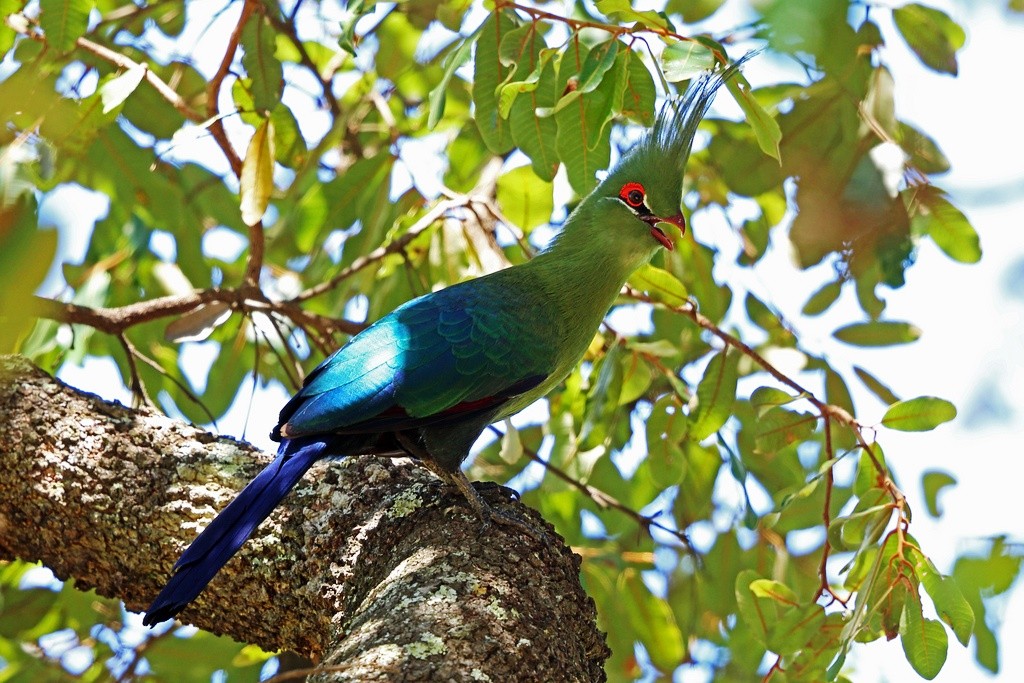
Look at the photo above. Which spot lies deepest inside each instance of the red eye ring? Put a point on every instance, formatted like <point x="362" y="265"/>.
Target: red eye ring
<point x="633" y="194"/>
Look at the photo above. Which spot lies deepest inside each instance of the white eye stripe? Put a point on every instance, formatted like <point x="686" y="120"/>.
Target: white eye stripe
<point x="636" y="209"/>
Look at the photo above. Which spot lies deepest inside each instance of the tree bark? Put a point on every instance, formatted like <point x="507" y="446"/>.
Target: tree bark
<point x="369" y="567"/>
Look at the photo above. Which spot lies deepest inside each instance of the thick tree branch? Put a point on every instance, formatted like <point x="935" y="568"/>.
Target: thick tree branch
<point x="368" y="567"/>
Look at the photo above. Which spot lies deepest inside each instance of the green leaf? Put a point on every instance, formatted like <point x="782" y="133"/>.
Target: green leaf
<point x="715" y="395"/>
<point x="635" y="99"/>
<point x="117" y="90"/>
<point x="924" y="640"/>
<point x="875" y="386"/>
<point x="693" y="10"/>
<point x="636" y="378"/>
<point x="877" y="333"/>
<point x="764" y="398"/>
<point x="659" y="284"/>
<point x="949" y="600"/>
<point x="289" y="145"/>
<point x="945" y="224"/>
<point x="920" y="414"/>
<point x="64" y="21"/>
<point x="754" y="615"/>
<point x="821" y="300"/>
<point x="865" y="524"/>
<point x="774" y="590"/>
<point x="779" y="428"/>
<point x="652" y="619"/>
<point x="257" y="181"/>
<point x="933" y="482"/>
<point x="264" y="71"/>
<point x="511" y="444"/>
<point x="923" y="151"/>
<point x="681" y="61"/>
<point x="766" y="129"/>
<point x="509" y="93"/>
<point x="867" y="474"/>
<point x="515" y="44"/>
<point x="599" y="62"/>
<point x="931" y="34"/>
<point x="666" y="427"/>
<point x="438" y="95"/>
<point x="488" y="74"/>
<point x="622" y="11"/>
<point x="8" y="34"/>
<point x="581" y="143"/>
<point x="525" y="199"/>
<point x="536" y="135"/>
<point x="26" y="253"/>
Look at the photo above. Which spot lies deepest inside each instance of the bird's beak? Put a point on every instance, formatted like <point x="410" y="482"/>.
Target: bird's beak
<point x="659" y="234"/>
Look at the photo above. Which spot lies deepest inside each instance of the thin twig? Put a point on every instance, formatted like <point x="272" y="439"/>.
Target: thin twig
<point x="381" y="252"/>
<point x="21" y="25"/>
<point x="605" y="500"/>
<point x="138" y="390"/>
<point x="288" y="29"/>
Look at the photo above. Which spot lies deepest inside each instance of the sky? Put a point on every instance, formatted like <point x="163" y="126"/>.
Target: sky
<point x="972" y="317"/>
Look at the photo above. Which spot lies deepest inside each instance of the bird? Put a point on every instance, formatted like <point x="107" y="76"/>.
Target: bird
<point x="426" y="379"/>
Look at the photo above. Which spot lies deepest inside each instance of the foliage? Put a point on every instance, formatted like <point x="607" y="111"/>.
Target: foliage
<point x="527" y="105"/>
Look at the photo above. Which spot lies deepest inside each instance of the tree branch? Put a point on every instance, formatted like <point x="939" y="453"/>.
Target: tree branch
<point x="20" y="24"/>
<point x="116" y="320"/>
<point x="369" y="566"/>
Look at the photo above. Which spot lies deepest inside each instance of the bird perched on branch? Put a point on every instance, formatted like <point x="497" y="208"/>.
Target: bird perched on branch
<point x="428" y="378"/>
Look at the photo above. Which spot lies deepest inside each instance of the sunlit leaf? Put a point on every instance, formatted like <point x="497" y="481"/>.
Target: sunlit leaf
<point x="683" y="60"/>
<point x="661" y="285"/>
<point x="261" y="65"/>
<point x="947" y="225"/>
<point x="64" y="21"/>
<point x="931" y="34"/>
<point x="877" y="333"/>
<point x="767" y="397"/>
<point x="715" y="395"/>
<point x="920" y="414"/>
<point x="257" y="181"/>
<point x="117" y="90"/>
<point x="924" y="152"/>
<point x="766" y="129"/>
<point x="949" y="600"/>
<point x="823" y="298"/>
<point x="524" y="198"/>
<point x="438" y="97"/>
<point x="623" y="11"/>
<point x="489" y="73"/>
<point x="933" y="483"/>
<point x="924" y="640"/>
<point x="884" y="393"/>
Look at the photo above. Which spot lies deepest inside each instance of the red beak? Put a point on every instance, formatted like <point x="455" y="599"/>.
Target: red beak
<point x="658" y="234"/>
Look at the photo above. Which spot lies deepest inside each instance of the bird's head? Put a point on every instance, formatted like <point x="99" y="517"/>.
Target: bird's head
<point x="644" y="190"/>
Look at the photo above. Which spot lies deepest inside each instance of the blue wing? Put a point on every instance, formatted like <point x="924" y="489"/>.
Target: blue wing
<point x="456" y="351"/>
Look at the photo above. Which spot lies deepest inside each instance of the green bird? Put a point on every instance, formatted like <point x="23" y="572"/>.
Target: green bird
<point x="429" y="377"/>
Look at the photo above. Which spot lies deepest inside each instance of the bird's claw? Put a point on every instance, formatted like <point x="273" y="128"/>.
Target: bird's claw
<point x="488" y="488"/>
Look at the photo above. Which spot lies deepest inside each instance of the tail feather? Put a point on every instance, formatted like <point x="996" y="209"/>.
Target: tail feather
<point x="232" y="527"/>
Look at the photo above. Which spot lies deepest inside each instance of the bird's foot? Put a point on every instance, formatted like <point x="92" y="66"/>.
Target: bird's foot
<point x="485" y="512"/>
<point x="458" y="480"/>
<point x="493" y="488"/>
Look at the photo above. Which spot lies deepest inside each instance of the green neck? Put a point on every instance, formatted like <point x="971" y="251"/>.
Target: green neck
<point x="582" y="272"/>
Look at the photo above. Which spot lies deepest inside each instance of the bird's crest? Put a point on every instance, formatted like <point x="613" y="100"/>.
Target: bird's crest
<point x="676" y="123"/>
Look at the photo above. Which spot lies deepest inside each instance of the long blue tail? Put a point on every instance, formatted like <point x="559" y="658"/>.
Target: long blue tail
<point x="232" y="527"/>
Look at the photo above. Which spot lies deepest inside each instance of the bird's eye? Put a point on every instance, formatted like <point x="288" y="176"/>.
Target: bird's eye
<point x="633" y="194"/>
